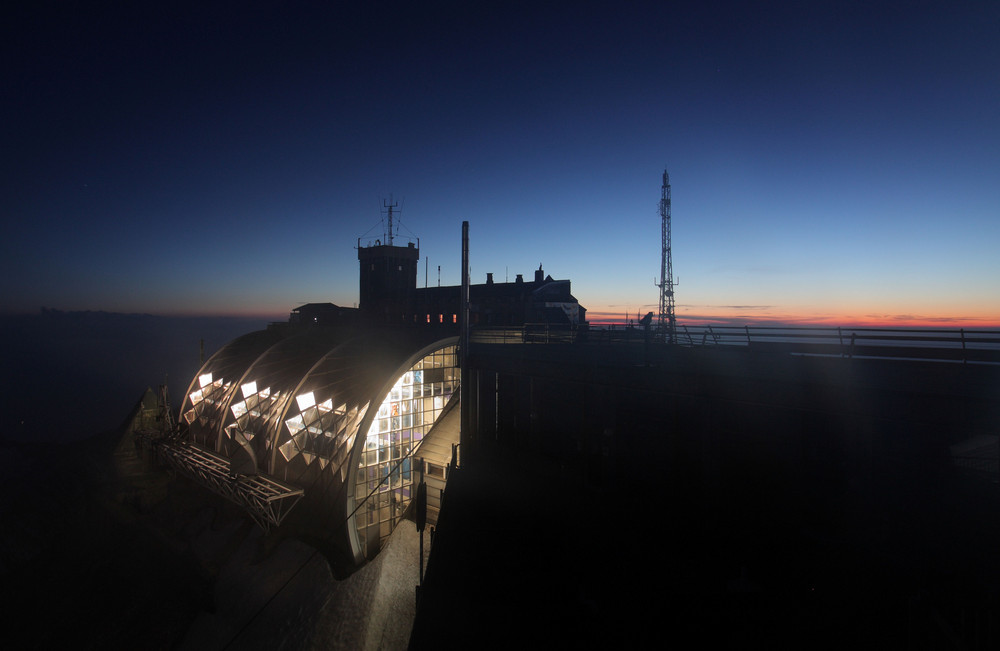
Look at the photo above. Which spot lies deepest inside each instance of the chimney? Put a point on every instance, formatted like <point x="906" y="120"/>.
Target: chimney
<point x="489" y="278"/>
<point x="519" y="279"/>
<point x="539" y="274"/>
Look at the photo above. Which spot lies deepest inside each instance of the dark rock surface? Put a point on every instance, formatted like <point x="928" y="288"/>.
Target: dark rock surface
<point x="108" y="552"/>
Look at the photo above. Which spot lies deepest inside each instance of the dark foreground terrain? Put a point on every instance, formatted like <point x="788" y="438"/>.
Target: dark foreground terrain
<point x="904" y="562"/>
<point x="101" y="551"/>
<point x="114" y="554"/>
<point x="719" y="496"/>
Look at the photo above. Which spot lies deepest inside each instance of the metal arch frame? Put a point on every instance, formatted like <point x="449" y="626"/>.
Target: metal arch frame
<point x="272" y="459"/>
<point x="224" y="409"/>
<point x="220" y="429"/>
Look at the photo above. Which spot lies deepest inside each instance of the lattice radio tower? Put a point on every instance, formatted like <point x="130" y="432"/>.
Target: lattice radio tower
<point x="667" y="321"/>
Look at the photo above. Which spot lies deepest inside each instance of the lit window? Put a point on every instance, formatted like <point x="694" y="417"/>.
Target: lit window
<point x="306" y="400"/>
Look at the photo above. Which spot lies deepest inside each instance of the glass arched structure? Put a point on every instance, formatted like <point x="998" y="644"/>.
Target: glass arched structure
<point x="331" y="419"/>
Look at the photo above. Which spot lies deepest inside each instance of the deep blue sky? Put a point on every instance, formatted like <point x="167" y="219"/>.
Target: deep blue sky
<point x="830" y="162"/>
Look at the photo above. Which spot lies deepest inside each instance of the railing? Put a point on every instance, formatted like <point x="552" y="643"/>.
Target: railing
<point x="957" y="346"/>
<point x="964" y="346"/>
<point x="529" y="333"/>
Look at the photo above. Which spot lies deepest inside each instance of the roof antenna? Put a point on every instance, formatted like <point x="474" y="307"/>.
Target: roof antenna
<point x="389" y="207"/>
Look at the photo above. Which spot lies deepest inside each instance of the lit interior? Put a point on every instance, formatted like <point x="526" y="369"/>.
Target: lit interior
<point x="384" y="480"/>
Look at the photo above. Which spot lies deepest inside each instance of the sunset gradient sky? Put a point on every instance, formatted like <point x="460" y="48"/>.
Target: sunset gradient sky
<point x="831" y="162"/>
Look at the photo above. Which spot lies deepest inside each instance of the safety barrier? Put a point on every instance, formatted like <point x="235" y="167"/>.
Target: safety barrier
<point x="945" y="345"/>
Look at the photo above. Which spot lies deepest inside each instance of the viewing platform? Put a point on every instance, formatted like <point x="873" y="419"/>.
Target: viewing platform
<point x="266" y="499"/>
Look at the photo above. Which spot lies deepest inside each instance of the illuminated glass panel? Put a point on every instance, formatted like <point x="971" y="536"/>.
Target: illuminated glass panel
<point x="384" y="480"/>
<point x="206" y="402"/>
<point x="295" y="425"/>
<point x="305" y="401"/>
<point x="252" y="414"/>
<point x="319" y="429"/>
<point x="205" y="410"/>
<point x="288" y="450"/>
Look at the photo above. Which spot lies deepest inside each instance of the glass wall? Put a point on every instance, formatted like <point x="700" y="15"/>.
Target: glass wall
<point x="384" y="480"/>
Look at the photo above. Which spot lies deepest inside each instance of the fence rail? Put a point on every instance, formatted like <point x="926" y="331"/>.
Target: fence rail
<point x="944" y="345"/>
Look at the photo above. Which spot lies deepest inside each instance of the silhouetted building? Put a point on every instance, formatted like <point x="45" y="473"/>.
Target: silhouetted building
<point x="389" y="295"/>
<point x="388" y="281"/>
<point x="326" y="314"/>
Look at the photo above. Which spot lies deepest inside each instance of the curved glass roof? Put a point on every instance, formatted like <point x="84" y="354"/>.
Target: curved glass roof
<point x="252" y="414"/>
<point x="211" y="389"/>
<point x="289" y="404"/>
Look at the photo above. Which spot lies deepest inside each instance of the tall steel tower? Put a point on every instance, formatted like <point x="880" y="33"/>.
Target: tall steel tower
<point x="667" y="322"/>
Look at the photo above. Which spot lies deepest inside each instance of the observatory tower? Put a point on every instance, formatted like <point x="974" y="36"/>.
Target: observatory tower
<point x="388" y="277"/>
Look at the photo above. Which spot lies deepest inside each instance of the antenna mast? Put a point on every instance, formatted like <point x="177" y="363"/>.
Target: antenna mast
<point x="667" y="321"/>
<point x="389" y="206"/>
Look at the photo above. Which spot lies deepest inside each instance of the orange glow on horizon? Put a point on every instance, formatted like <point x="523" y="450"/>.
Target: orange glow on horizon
<point x="847" y="319"/>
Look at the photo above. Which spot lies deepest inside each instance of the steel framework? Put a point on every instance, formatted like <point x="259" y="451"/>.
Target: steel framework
<point x="266" y="499"/>
<point x="666" y="321"/>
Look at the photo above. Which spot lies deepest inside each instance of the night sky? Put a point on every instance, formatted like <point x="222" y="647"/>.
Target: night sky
<point x="830" y="162"/>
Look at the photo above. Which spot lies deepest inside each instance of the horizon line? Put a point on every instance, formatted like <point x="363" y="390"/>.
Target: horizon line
<point x="601" y="318"/>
